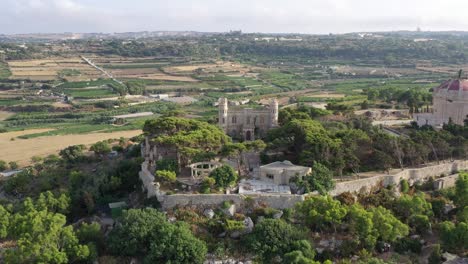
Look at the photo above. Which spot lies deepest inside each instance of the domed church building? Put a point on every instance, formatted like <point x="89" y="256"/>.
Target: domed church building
<point x="450" y="101"/>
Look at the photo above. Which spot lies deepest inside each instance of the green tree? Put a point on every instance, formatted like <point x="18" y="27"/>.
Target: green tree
<point x="461" y="190"/>
<point x="362" y="225"/>
<point x="167" y="165"/>
<point x="191" y="139"/>
<point x="13" y="165"/>
<point x="436" y="255"/>
<point x="72" y="153"/>
<point x="91" y="235"/>
<point x="404" y="186"/>
<point x="166" y="175"/>
<point x="224" y="176"/>
<point x="47" y="201"/>
<point x="420" y="223"/>
<point x="274" y="238"/>
<point x="101" y="148"/>
<point x="42" y="237"/>
<point x="408" y="205"/>
<point x="321" y="179"/>
<point x="3" y="165"/>
<point x="4" y="222"/>
<point x="297" y="257"/>
<point x="176" y="244"/>
<point x="454" y="237"/>
<point x="321" y="212"/>
<point x="146" y="232"/>
<point x="388" y="227"/>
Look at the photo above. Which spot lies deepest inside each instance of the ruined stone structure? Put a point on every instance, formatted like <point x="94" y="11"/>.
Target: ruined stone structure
<point x="281" y="201"/>
<point x="450" y="101"/>
<point x="200" y="170"/>
<point x="247" y="123"/>
<point x="153" y="152"/>
<point x="280" y="172"/>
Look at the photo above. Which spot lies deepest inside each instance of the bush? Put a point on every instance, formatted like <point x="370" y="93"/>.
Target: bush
<point x="147" y="233"/>
<point x="207" y="184"/>
<point x="101" y="148"/>
<point x="166" y="175"/>
<point x="167" y="164"/>
<point x="233" y="225"/>
<point x="13" y="165"/>
<point x="404" y="186"/>
<point x="420" y="223"/>
<point x="224" y="176"/>
<point x="436" y="255"/>
<point x="226" y="204"/>
<point x="346" y="198"/>
<point x="349" y="248"/>
<point x="405" y="245"/>
<point x="272" y="238"/>
<point x="3" y="165"/>
<point x="454" y="237"/>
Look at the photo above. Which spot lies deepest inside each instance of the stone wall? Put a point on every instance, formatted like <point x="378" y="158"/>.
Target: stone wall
<point x="215" y="200"/>
<point x="446" y="182"/>
<point x="418" y="175"/>
<point x="281" y="201"/>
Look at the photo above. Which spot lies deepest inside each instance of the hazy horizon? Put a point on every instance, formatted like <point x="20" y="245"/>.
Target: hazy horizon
<point x="260" y="16"/>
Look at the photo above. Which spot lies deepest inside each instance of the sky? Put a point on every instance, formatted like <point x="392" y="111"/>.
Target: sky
<point x="268" y="16"/>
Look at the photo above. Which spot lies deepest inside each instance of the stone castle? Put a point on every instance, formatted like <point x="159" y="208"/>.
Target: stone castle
<point x="247" y="123"/>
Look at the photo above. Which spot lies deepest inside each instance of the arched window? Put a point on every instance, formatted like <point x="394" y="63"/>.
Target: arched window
<point x="234" y="119"/>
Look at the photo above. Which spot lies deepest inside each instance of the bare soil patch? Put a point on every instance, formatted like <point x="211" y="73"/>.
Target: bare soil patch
<point x="50" y="69"/>
<point x="4" y="115"/>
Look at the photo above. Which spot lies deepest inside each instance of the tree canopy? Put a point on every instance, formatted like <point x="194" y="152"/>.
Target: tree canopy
<point x="194" y="140"/>
<point x="274" y="238"/>
<point x="146" y="232"/>
<point x="41" y="233"/>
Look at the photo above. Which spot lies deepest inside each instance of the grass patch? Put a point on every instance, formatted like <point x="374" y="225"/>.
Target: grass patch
<point x="91" y="93"/>
<point x="99" y="82"/>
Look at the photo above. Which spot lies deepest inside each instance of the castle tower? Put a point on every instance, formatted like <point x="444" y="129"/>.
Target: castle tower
<point x="223" y="113"/>
<point x="274" y="113"/>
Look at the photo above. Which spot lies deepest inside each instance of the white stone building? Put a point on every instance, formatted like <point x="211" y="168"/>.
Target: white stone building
<point x="247" y="123"/>
<point x="450" y="101"/>
<point x="280" y="172"/>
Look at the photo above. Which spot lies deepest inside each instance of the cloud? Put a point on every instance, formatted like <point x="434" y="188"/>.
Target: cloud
<point x="303" y="16"/>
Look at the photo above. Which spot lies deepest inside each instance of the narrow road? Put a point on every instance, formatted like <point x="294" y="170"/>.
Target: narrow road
<point x="100" y="69"/>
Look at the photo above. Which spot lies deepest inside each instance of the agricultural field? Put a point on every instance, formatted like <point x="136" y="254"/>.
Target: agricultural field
<point x="62" y="98"/>
<point x="69" y="69"/>
<point x="21" y="150"/>
<point x="4" y="70"/>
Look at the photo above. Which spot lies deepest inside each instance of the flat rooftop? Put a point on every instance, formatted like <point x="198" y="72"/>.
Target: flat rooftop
<point x="259" y="187"/>
<point x="283" y="165"/>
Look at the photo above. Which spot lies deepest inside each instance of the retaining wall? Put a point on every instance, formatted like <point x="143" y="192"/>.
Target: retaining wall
<point x="281" y="201"/>
<point x="418" y="175"/>
<point x="210" y="200"/>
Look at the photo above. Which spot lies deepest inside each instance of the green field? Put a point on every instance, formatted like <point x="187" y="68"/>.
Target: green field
<point x="91" y="93"/>
<point x="99" y="82"/>
<point x="4" y="70"/>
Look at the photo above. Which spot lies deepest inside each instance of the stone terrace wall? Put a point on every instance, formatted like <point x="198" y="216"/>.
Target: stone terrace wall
<point x="411" y="175"/>
<point x="209" y="200"/>
<point x="281" y="201"/>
